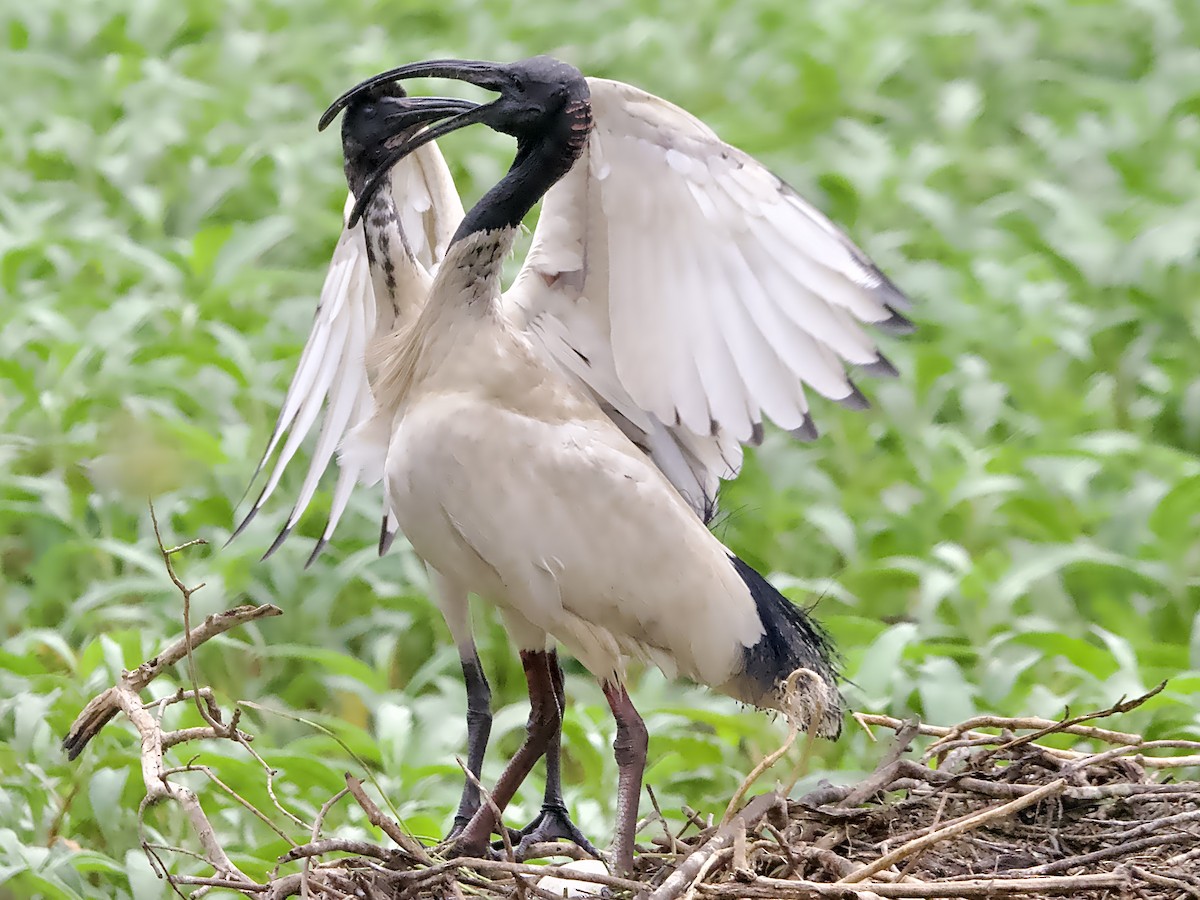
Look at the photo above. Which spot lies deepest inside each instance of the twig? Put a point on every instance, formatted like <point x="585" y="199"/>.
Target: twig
<point x="672" y="842"/>
<point x="102" y="708"/>
<point x="160" y="868"/>
<point x="919" y="890"/>
<point x="1186" y="856"/>
<point x="271" y="773"/>
<point x="316" y="833"/>
<point x="214" y="721"/>
<point x="686" y="872"/>
<point x="238" y="798"/>
<point x="498" y="817"/>
<point x="1154" y="825"/>
<point x="714" y="859"/>
<point x="336" y="845"/>
<point x="159" y="787"/>
<point x="934" y="826"/>
<point x="488" y="866"/>
<point x="1122" y="849"/>
<point x="763" y="764"/>
<point x="549" y="849"/>
<point x="1161" y="880"/>
<point x="387" y="825"/>
<point x="199" y="733"/>
<point x="964" y="734"/>
<point x="180" y="696"/>
<point x="1121" y="706"/>
<point x="913" y="776"/>
<point x="246" y="887"/>
<point x="884" y="773"/>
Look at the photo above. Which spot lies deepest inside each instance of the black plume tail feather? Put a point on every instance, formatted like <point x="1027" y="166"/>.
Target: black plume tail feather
<point x="791" y="640"/>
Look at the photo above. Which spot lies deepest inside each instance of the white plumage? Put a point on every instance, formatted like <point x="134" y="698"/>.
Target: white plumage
<point x="579" y="520"/>
<point x="688" y="287"/>
<point x="557" y="449"/>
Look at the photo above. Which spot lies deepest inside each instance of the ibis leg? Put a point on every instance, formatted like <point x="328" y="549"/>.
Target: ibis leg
<point x="542" y="728"/>
<point x="630" y="751"/>
<point x="554" y="821"/>
<point x="479" y="729"/>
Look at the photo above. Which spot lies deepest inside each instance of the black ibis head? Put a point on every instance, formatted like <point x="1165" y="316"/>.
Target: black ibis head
<point x="380" y="120"/>
<point x="382" y="125"/>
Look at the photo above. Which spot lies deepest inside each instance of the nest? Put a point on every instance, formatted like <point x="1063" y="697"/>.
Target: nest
<point x="989" y="808"/>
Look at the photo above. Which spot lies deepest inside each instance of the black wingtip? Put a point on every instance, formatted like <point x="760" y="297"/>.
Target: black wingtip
<point x="386" y="538"/>
<point x="892" y="295"/>
<point x="246" y="521"/>
<point x="283" y="536"/>
<point x="882" y="367"/>
<point x="322" y="543"/>
<point x="855" y="400"/>
<point x="807" y="431"/>
<point x="895" y="323"/>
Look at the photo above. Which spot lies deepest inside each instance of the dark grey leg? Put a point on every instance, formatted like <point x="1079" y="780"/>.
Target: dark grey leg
<point x="630" y="751"/>
<point x="479" y="729"/>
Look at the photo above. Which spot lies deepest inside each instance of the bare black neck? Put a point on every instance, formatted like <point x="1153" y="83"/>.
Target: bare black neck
<point x="541" y="160"/>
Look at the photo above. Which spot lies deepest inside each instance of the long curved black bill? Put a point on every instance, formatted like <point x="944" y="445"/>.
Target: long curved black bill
<point x="432" y="133"/>
<point x="424" y="110"/>
<point x="482" y="74"/>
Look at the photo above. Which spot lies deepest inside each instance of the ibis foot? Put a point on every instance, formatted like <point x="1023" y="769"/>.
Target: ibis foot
<point x="465" y="841"/>
<point x="553" y="823"/>
<point x="466" y="845"/>
<point x="460" y="822"/>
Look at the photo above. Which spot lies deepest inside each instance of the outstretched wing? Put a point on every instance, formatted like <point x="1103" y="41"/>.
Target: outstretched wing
<point x="694" y="291"/>
<point x="332" y="373"/>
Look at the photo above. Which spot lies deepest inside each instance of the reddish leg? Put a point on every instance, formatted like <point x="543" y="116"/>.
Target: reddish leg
<point x="630" y="751"/>
<point x="544" y="723"/>
<point x="554" y="821"/>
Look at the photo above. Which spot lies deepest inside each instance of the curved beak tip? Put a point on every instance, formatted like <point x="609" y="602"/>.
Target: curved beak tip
<point x="471" y="71"/>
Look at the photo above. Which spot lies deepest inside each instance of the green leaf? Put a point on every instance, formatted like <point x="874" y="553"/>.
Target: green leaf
<point x="143" y="881"/>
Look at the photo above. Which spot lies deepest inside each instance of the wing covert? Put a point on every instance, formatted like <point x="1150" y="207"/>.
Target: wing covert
<point x="332" y="374"/>
<point x="693" y="290"/>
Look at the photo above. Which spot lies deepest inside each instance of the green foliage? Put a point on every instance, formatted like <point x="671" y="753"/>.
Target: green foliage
<point x="1014" y="528"/>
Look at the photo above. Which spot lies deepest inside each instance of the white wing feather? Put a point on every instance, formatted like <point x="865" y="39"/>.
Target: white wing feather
<point x="694" y="291"/>
<point x="332" y="372"/>
<point x="689" y="288"/>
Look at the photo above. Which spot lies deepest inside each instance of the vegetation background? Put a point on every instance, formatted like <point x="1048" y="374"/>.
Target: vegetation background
<point x="1013" y="528"/>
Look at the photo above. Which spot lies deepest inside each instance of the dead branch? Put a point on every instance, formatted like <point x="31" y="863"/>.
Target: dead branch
<point x="100" y="711"/>
<point x="387" y="825"/>
<point x="124" y="697"/>
<point x="983" y="887"/>
<point x="754" y="812"/>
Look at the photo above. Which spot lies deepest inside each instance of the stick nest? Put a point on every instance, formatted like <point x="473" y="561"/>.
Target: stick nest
<point x="986" y="808"/>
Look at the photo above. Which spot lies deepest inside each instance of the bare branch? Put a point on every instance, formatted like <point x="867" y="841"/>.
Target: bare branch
<point x="388" y="826"/>
<point x="981" y="887"/>
<point x="755" y="811"/>
<point x="102" y="708"/>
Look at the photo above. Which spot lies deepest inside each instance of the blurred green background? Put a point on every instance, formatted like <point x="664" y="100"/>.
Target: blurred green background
<point x="1014" y="528"/>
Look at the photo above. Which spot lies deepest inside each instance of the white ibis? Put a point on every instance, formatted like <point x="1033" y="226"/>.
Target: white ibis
<point x="548" y="449"/>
